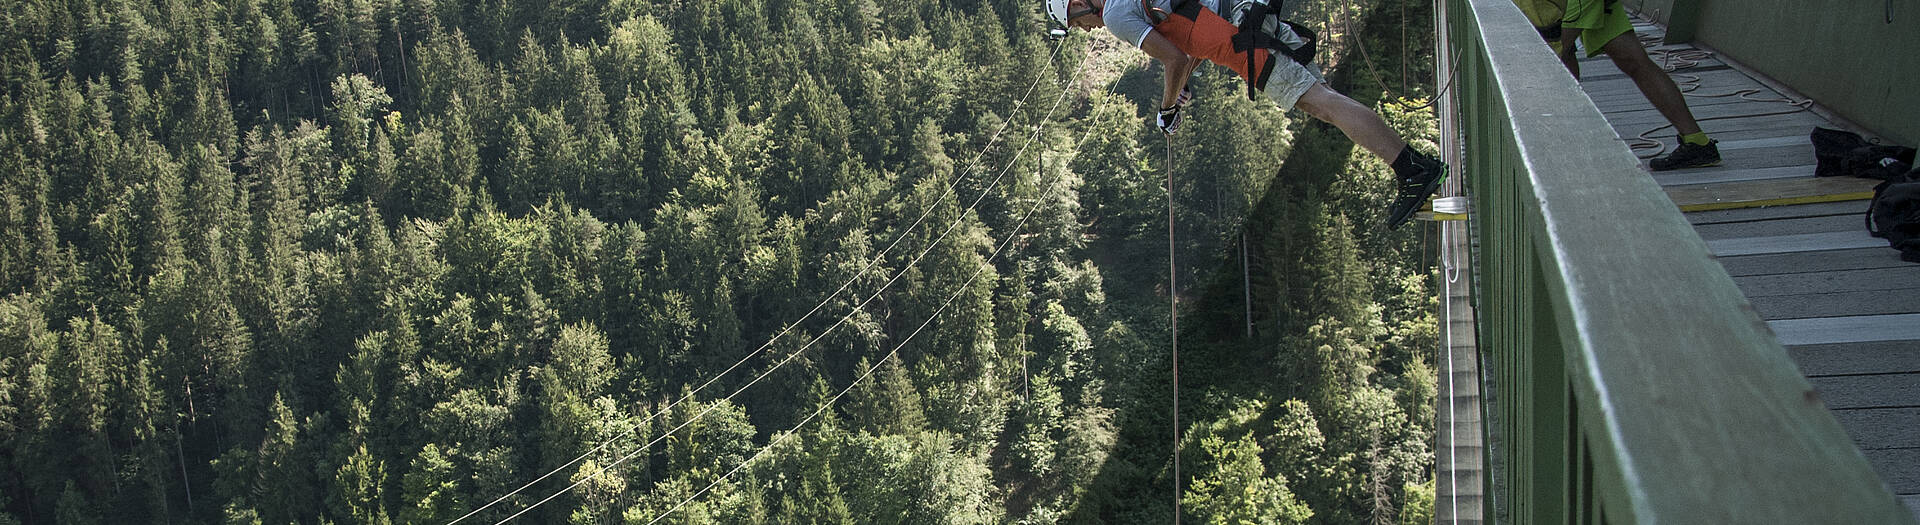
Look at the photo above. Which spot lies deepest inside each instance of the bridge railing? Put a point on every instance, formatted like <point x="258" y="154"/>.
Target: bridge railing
<point x="1632" y="382"/>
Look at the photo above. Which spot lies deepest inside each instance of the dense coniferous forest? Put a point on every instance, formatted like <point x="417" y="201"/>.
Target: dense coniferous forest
<point x="383" y="261"/>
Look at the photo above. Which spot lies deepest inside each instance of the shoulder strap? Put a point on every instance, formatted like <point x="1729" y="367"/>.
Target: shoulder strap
<point x="1154" y="15"/>
<point x="1878" y="190"/>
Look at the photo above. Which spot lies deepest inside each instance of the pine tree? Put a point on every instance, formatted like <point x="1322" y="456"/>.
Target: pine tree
<point x="1236" y="489"/>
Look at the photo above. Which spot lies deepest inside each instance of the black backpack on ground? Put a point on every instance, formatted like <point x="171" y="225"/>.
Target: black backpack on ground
<point x="1894" y="214"/>
<point x="1838" y="153"/>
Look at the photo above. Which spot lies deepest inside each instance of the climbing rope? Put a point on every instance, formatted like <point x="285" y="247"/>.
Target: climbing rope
<point x="1446" y="345"/>
<point x="1346" y="23"/>
<point x="1173" y="319"/>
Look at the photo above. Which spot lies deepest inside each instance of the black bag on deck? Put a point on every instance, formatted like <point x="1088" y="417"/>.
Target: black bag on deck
<point x="1894" y="214"/>
<point x="1845" y="153"/>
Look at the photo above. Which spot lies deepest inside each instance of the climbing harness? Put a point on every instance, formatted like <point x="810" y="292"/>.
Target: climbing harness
<point x="1248" y="49"/>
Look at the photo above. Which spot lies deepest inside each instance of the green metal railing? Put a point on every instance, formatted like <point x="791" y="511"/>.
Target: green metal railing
<point x="1633" y="382"/>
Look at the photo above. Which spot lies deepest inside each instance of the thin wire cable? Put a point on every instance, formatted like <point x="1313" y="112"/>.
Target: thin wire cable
<point x="856" y="309"/>
<point x="1367" y="58"/>
<point x="1014" y="234"/>
<point x="871" y="263"/>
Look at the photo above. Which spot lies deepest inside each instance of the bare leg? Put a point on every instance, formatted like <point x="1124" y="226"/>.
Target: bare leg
<point x="1360" y="123"/>
<point x="1569" y="36"/>
<point x="1653" y="82"/>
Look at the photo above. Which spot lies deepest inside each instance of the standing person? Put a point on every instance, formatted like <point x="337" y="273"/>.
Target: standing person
<point x="1602" y="26"/>
<point x="1271" y="56"/>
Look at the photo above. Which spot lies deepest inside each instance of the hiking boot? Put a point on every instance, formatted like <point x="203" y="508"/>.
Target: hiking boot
<point x="1688" y="156"/>
<point x="1415" y="186"/>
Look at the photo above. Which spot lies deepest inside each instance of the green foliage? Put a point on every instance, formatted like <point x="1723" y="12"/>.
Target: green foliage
<point x="353" y="261"/>
<point x="1419" y="506"/>
<point x="1235" y="490"/>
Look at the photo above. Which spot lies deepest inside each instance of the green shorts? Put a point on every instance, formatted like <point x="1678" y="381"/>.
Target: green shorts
<point x="1596" y="25"/>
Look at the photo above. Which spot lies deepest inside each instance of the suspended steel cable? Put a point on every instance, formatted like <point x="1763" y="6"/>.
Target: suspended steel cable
<point x="855" y="310"/>
<point x="1014" y="234"/>
<point x="871" y="263"/>
<point x="1346" y="22"/>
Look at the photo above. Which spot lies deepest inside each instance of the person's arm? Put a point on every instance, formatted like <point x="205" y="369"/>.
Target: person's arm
<point x="1176" y="62"/>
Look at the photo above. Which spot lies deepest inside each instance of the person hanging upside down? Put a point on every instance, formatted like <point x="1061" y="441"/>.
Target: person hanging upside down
<point x="1271" y="55"/>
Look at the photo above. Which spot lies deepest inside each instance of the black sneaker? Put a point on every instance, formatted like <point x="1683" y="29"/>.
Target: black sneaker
<point x="1415" y="187"/>
<point x="1688" y="156"/>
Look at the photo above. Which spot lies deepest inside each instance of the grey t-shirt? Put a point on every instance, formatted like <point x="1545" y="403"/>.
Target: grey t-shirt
<point x="1128" y="19"/>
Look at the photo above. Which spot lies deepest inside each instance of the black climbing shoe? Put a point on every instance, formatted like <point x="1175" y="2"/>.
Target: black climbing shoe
<point x="1688" y="156"/>
<point x="1415" y="187"/>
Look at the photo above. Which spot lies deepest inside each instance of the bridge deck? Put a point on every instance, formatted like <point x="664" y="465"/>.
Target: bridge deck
<point x="1842" y="302"/>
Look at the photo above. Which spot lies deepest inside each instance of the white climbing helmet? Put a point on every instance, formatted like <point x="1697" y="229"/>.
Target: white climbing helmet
<point x="1057" y="9"/>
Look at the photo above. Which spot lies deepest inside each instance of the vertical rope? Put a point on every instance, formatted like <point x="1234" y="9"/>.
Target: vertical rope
<point x="1446" y="345"/>
<point x="1246" y="281"/>
<point x="1403" y="48"/>
<point x="1173" y="316"/>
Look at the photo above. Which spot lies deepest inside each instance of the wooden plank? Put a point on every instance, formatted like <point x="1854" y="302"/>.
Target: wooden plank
<point x="1833" y="330"/>
<point x="1802" y="262"/>
<point x="1626" y="95"/>
<point x="1766" y="213"/>
<point x="1839" y="304"/>
<point x="1869" y="391"/>
<point x="1877" y="357"/>
<point x="1881" y="428"/>
<point x="1829" y="282"/>
<point x="1771" y="130"/>
<point x="1802" y="119"/>
<point x="1715" y="81"/>
<point x="1699" y="93"/>
<point x="1770" y="192"/>
<point x="1798" y="155"/>
<point x="1802" y="139"/>
<point x="1713" y="175"/>
<point x="1742" y="107"/>
<point x="1611" y="72"/>
<point x="1615" y="100"/>
<point x="1806" y="242"/>
<point x="1779" y="227"/>
<point x="1749" y="158"/>
<point x="1616" y="103"/>
<point x="1899" y="467"/>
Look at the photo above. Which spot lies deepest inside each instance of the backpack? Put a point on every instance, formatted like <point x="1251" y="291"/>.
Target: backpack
<point x="1838" y="153"/>
<point x="1894" y="214"/>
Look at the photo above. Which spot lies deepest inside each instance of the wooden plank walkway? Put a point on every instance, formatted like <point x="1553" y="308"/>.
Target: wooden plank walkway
<point x="1842" y="302"/>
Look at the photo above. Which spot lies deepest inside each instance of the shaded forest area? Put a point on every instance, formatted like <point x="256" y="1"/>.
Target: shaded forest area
<point x="375" y="261"/>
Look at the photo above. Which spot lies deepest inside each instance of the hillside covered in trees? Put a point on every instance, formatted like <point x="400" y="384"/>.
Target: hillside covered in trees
<point x="383" y="261"/>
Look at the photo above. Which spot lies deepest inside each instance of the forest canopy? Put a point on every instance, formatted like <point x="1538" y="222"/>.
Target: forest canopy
<point x="740" y="261"/>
